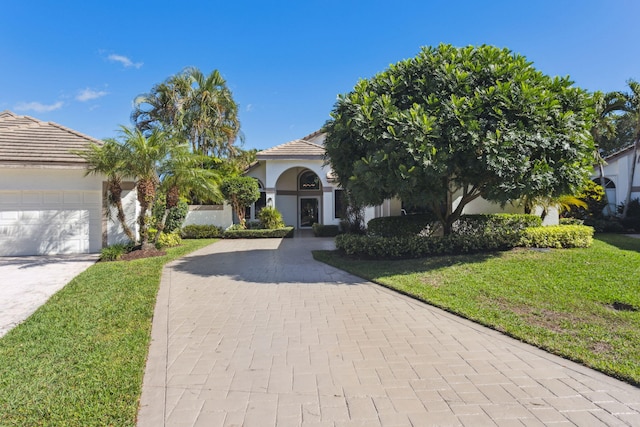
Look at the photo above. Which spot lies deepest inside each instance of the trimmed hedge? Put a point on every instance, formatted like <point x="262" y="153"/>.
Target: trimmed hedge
<point x="472" y="233"/>
<point x="417" y="246"/>
<point x="394" y="226"/>
<point x="321" y="230"/>
<point x="200" y="232"/>
<point x="495" y="223"/>
<point x="258" y="234"/>
<point x="558" y="236"/>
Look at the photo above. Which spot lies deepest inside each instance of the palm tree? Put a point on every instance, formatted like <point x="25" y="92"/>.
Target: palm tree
<point x="145" y="155"/>
<point x="183" y="173"/>
<point x="199" y="107"/>
<point x="109" y="159"/>
<point x="604" y="127"/>
<point x="633" y="107"/>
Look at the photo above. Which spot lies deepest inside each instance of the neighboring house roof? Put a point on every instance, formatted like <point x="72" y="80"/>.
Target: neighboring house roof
<point x="28" y="141"/>
<point x="296" y="149"/>
<point x="620" y="153"/>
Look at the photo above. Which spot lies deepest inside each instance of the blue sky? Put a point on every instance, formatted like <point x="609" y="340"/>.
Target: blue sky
<point x="81" y="63"/>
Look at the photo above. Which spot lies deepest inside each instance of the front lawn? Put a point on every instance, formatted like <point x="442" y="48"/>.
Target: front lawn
<point x="579" y="303"/>
<point x="79" y="359"/>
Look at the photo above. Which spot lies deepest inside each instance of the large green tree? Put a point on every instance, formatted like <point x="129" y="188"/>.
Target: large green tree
<point x="182" y="175"/>
<point x="240" y="192"/>
<point x="199" y="107"/>
<point x="460" y="123"/>
<point x="145" y="155"/>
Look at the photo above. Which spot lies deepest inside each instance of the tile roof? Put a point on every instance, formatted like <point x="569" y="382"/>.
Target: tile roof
<point x="28" y="141"/>
<point x="296" y="149"/>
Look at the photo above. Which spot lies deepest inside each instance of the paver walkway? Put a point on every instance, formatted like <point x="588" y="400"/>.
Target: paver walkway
<point x="256" y="333"/>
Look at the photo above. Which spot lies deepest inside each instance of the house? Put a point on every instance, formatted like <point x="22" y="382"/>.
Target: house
<point x="616" y="173"/>
<point x="295" y="179"/>
<point x="47" y="204"/>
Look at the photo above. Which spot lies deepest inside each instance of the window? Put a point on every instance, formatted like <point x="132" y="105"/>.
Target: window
<point x="309" y="181"/>
<point x="339" y="205"/>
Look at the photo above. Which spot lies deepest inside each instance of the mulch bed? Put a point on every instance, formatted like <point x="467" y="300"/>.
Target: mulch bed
<point x="139" y="253"/>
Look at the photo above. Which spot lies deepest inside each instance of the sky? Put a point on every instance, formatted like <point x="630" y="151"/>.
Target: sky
<point x="81" y="63"/>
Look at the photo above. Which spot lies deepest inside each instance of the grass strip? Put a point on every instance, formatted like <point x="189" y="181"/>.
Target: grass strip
<point x="80" y="358"/>
<point x="581" y="304"/>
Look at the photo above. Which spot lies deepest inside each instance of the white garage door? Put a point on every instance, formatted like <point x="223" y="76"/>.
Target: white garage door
<point x="49" y="222"/>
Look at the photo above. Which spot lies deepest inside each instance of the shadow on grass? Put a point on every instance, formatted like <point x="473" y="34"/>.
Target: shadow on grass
<point x="620" y="241"/>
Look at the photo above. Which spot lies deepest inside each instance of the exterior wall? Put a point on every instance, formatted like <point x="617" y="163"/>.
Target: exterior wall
<point x="618" y="170"/>
<point x="218" y="215"/>
<point x="114" y="232"/>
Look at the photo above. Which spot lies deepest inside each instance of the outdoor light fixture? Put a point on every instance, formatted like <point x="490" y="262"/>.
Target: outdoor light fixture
<point x="270" y="202"/>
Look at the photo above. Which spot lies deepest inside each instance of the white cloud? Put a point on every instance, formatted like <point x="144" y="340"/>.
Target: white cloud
<point x="38" y="107"/>
<point x="249" y="108"/>
<point x="89" y="94"/>
<point x="124" y="61"/>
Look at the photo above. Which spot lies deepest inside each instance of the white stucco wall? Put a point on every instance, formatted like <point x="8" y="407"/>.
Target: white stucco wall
<point x="618" y="170"/>
<point x="220" y="216"/>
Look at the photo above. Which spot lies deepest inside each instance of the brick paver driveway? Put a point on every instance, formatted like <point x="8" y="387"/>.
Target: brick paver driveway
<point x="256" y="333"/>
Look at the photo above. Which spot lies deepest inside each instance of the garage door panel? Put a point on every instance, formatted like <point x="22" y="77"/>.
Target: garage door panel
<point x="39" y="223"/>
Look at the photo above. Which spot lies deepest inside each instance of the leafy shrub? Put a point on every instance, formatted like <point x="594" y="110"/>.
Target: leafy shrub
<point x="258" y="234"/>
<point x="321" y="230"/>
<point x="631" y="223"/>
<point x="168" y="240"/>
<point x="406" y="225"/>
<point x="558" y="236"/>
<point x="176" y="215"/>
<point x="608" y="225"/>
<point x="571" y="221"/>
<point x="418" y="246"/>
<point x="633" y="210"/>
<point x="270" y="218"/>
<point x="253" y="225"/>
<point x="113" y="252"/>
<point x="200" y="232"/>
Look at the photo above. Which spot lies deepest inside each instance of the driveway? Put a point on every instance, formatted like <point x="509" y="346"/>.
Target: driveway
<point x="257" y="333"/>
<point x="28" y="282"/>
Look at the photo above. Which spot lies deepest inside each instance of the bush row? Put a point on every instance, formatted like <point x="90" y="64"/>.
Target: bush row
<point x="321" y="230"/>
<point x="258" y="233"/>
<point x="201" y="232"/>
<point x="417" y="246"/>
<point x="395" y="226"/>
<point x="558" y="236"/>
<point x="212" y="232"/>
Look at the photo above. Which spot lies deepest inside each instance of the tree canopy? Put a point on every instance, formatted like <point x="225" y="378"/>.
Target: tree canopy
<point x="240" y="192"/>
<point x="460" y="122"/>
<point x="199" y="107"/>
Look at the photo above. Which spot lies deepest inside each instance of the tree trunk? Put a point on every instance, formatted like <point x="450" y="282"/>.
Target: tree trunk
<point x="631" y="175"/>
<point x="116" y="198"/>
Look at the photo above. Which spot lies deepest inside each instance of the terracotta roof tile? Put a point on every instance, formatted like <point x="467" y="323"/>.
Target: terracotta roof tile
<point x="25" y="140"/>
<point x="296" y="149"/>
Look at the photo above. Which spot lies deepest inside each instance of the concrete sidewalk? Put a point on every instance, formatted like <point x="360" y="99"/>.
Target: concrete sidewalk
<point x="256" y="333"/>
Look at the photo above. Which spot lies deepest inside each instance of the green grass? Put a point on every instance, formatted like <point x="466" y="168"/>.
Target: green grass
<point x="559" y="300"/>
<point x="79" y="359"/>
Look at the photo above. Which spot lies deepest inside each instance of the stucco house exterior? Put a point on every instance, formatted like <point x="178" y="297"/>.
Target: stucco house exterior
<point x="616" y="173"/>
<point x="47" y="204"/>
<point x="294" y="178"/>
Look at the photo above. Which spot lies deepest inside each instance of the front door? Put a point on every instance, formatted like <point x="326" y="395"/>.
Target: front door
<point x="309" y="207"/>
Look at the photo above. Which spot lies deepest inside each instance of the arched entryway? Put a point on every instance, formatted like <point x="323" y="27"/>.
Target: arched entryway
<point x="610" y="191"/>
<point x="299" y="197"/>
